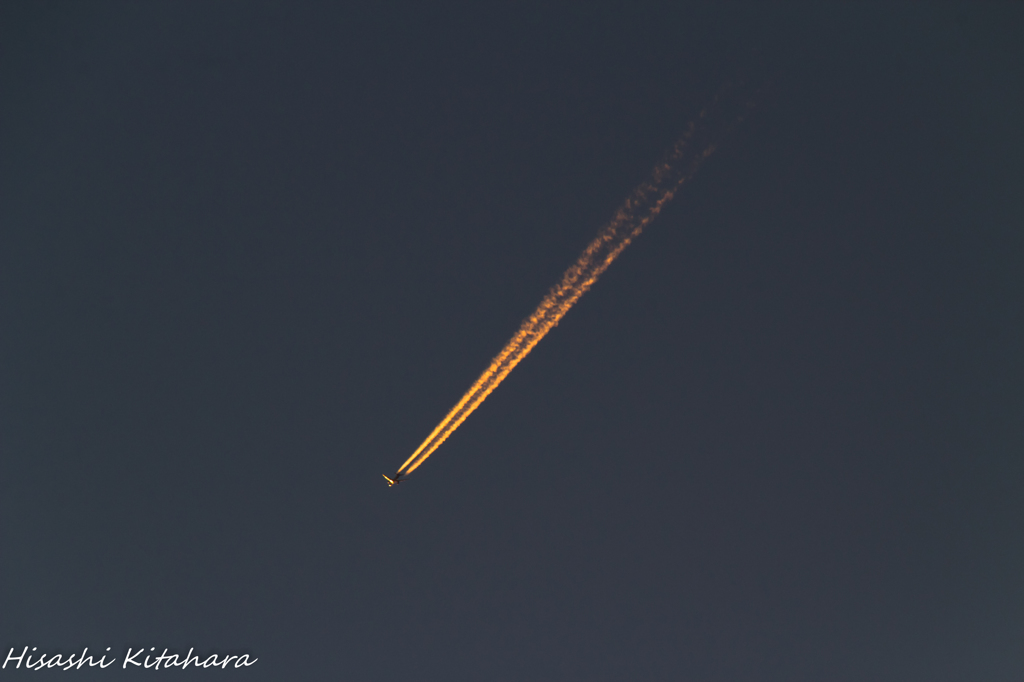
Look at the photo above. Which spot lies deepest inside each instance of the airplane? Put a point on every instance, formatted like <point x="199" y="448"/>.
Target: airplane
<point x="393" y="481"/>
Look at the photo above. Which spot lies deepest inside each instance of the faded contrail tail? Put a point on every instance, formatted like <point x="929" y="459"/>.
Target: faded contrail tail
<point x="646" y="202"/>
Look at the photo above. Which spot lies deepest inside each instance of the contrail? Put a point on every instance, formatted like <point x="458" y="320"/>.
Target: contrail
<point x="642" y="206"/>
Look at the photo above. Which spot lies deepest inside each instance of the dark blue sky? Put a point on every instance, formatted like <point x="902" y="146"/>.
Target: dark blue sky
<point x="251" y="253"/>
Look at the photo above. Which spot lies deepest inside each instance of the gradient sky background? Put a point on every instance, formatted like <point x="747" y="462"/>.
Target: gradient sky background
<point x="251" y="253"/>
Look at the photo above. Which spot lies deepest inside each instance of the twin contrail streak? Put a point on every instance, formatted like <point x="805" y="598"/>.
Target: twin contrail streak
<point x="643" y="206"/>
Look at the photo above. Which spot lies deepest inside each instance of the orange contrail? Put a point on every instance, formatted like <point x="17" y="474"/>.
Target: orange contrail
<point x="643" y="206"/>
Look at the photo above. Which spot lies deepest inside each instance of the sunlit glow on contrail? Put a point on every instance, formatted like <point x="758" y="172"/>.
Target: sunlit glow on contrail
<point x="643" y="206"/>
